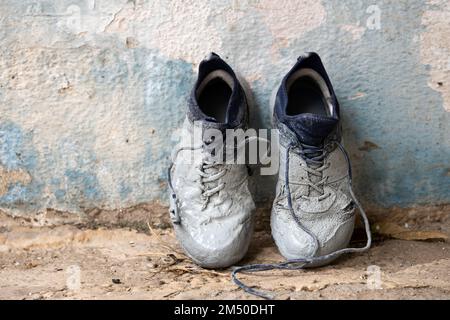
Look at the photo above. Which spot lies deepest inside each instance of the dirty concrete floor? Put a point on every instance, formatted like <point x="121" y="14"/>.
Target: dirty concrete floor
<point x="123" y="263"/>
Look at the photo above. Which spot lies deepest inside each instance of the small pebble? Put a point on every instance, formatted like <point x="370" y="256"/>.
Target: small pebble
<point x="116" y="281"/>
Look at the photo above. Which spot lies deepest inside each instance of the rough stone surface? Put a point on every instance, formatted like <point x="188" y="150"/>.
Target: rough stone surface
<point x="90" y="93"/>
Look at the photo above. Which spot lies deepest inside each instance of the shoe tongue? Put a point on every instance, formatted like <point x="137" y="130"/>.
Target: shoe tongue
<point x="311" y="129"/>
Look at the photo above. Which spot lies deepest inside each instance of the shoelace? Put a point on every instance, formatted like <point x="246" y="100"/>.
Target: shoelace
<point x="206" y="176"/>
<point x="314" y="157"/>
<point x="209" y="172"/>
<point x="296" y="264"/>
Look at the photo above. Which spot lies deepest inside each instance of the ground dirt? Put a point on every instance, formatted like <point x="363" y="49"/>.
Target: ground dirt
<point x="140" y="260"/>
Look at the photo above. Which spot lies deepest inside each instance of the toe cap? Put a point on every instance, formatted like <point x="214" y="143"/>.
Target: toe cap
<point x="294" y="243"/>
<point x="216" y="244"/>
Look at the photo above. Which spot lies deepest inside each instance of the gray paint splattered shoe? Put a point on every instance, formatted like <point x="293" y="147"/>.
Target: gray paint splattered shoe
<point x="313" y="212"/>
<point x="210" y="204"/>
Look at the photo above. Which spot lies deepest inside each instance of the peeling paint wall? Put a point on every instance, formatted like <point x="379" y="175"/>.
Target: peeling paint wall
<point x="91" y="91"/>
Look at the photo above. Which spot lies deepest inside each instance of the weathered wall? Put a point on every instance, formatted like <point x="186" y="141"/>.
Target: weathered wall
<point x="91" y="91"/>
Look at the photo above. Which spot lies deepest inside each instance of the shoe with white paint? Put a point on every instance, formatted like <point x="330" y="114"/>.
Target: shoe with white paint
<point x="313" y="212"/>
<point x="210" y="204"/>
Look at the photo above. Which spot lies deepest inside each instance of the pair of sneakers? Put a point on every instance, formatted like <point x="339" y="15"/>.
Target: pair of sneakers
<point x="211" y="206"/>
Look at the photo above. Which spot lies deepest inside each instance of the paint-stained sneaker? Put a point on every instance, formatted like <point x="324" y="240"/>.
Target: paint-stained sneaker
<point x="210" y="203"/>
<point x="313" y="212"/>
